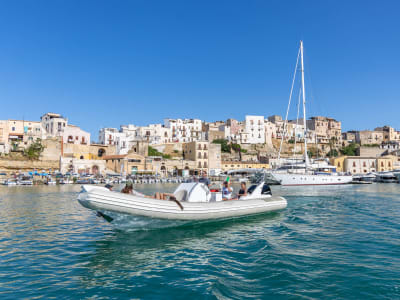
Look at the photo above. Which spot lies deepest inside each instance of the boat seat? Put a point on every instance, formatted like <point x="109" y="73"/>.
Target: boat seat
<point x="181" y="195"/>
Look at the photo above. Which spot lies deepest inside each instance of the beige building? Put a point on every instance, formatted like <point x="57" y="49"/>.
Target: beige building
<point x="171" y="167"/>
<point x="359" y="165"/>
<point x="386" y="163"/>
<point x="205" y="154"/>
<point x="128" y="164"/>
<point x="87" y="166"/>
<point x="325" y="129"/>
<point x="389" y="134"/>
<point x="87" y="152"/>
<point x="368" y="137"/>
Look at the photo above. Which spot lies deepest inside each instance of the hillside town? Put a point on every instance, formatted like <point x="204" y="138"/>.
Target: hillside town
<point x="191" y="146"/>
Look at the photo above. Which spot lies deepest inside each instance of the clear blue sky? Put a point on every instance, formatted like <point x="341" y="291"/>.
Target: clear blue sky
<point x="106" y="63"/>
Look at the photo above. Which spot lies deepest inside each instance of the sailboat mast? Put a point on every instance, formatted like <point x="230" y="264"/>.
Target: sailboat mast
<point x="304" y="105"/>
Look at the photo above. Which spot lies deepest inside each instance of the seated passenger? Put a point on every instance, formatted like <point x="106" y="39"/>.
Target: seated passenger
<point x="243" y="190"/>
<point x="162" y="196"/>
<point x="226" y="191"/>
<point x="128" y="189"/>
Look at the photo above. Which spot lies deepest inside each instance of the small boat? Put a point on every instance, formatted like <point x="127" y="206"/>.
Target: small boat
<point x="397" y="174"/>
<point x="386" y="177"/>
<point x="10" y="182"/>
<point x="362" y="178"/>
<point x="193" y="201"/>
<point x="25" y="182"/>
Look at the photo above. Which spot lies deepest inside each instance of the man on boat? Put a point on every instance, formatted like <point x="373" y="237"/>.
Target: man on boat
<point x="204" y="179"/>
<point x="243" y="190"/>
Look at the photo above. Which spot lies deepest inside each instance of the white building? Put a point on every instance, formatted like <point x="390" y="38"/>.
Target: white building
<point x="255" y="129"/>
<point x="56" y="125"/>
<point x="270" y="132"/>
<point x="183" y="131"/>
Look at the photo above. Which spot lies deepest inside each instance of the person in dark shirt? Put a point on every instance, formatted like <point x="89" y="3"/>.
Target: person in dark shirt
<point x="243" y="190"/>
<point x="204" y="179"/>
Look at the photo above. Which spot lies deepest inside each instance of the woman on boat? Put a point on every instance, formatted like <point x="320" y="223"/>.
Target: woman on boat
<point x="226" y="191"/>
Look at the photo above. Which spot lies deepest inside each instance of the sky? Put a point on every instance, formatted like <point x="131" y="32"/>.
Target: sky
<point x="107" y="63"/>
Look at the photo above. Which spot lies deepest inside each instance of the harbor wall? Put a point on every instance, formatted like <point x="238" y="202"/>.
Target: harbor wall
<point x="9" y="165"/>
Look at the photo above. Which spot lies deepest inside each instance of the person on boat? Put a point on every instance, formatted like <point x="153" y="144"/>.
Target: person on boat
<point x="162" y="196"/>
<point x="204" y="179"/>
<point x="128" y="189"/>
<point x="109" y="186"/>
<point x="243" y="190"/>
<point x="226" y="191"/>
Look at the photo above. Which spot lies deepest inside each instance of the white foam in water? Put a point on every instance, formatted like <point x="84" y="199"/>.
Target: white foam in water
<point x="132" y="223"/>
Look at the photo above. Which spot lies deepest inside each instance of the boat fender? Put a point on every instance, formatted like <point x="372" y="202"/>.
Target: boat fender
<point x="177" y="202"/>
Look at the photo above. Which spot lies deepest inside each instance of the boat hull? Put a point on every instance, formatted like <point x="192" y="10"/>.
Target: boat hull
<point x="100" y="199"/>
<point x="294" y="179"/>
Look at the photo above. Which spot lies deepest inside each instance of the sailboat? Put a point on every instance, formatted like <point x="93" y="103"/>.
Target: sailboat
<point x="304" y="172"/>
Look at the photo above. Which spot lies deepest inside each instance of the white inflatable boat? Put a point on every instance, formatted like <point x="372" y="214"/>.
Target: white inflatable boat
<point x="194" y="201"/>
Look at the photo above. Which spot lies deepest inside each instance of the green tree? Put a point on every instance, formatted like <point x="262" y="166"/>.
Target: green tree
<point x="349" y="150"/>
<point x="333" y="153"/>
<point x="225" y="147"/>
<point x="34" y="150"/>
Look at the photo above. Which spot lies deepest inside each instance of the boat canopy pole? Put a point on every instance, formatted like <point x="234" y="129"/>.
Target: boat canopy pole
<point x="304" y="106"/>
<point x="287" y="111"/>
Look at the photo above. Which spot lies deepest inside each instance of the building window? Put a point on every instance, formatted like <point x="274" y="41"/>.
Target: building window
<point x="199" y="164"/>
<point x="354" y="163"/>
<point x="13" y="128"/>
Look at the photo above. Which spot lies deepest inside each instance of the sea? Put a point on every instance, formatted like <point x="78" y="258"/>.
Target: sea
<point x="331" y="242"/>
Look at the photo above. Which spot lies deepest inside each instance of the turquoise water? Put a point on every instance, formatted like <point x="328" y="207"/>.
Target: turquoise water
<point x="331" y="242"/>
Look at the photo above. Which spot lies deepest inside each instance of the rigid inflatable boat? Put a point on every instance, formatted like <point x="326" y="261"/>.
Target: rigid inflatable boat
<point x="193" y="201"/>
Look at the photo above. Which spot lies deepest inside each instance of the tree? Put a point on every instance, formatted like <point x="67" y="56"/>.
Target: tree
<point x="349" y="150"/>
<point x="238" y="149"/>
<point x="333" y="153"/>
<point x="225" y="147"/>
<point x="34" y="150"/>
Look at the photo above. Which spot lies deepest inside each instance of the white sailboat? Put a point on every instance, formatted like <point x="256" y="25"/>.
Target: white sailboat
<point x="304" y="172"/>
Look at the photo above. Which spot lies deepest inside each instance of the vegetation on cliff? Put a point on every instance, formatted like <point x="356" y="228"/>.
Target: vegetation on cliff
<point x="34" y="150"/>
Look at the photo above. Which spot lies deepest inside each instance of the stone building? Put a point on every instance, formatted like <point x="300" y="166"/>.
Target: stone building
<point x="205" y="154"/>
<point x="368" y="137"/>
<point x="360" y="165"/>
<point x="128" y="164"/>
<point x="389" y="133"/>
<point x="326" y="129"/>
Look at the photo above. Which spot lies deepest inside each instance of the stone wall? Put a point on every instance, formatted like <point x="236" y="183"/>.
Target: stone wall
<point x="8" y="165"/>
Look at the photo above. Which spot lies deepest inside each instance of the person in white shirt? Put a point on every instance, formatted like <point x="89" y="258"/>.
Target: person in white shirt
<point x="226" y="191"/>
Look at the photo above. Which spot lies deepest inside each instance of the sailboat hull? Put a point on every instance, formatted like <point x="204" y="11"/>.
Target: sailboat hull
<point x="288" y="179"/>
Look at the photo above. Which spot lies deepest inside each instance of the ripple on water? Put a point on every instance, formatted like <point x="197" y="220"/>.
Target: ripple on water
<point x="331" y="242"/>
